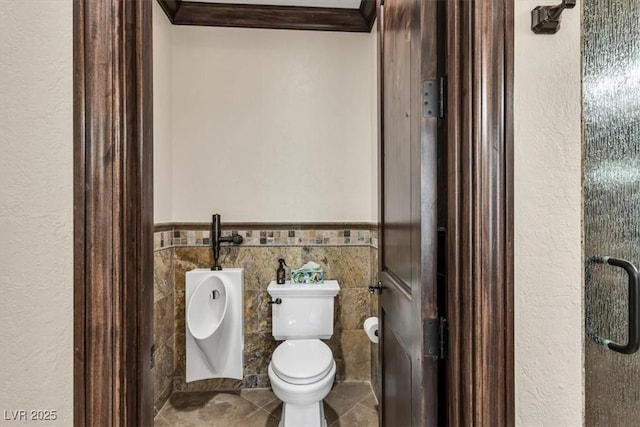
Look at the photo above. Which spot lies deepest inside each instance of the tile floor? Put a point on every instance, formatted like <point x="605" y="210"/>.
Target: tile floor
<point x="348" y="404"/>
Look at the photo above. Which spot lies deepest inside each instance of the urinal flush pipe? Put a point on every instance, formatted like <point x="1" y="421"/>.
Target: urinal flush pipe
<point x="216" y="239"/>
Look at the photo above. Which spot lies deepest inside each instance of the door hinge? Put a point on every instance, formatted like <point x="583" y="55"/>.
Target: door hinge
<point x="435" y="337"/>
<point x="152" y="357"/>
<point x="433" y="97"/>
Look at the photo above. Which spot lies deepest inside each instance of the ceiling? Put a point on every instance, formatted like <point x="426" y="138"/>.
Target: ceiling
<point x="318" y="15"/>
<point x="343" y="4"/>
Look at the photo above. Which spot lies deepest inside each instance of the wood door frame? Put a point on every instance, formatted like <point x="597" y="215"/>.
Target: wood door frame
<point x="113" y="212"/>
<point x="421" y="24"/>
<point x="479" y="232"/>
<point x="479" y="241"/>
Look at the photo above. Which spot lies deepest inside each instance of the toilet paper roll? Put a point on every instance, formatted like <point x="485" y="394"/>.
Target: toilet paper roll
<point x="371" y="328"/>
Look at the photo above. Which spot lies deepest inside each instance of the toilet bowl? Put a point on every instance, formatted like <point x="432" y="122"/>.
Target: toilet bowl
<point x="302" y="368"/>
<point x="301" y="374"/>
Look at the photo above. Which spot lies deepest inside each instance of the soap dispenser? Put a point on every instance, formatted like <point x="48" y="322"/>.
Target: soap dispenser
<point x="280" y="273"/>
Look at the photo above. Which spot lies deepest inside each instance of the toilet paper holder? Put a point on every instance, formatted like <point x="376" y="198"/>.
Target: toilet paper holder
<point x="371" y="328"/>
<point x="377" y="288"/>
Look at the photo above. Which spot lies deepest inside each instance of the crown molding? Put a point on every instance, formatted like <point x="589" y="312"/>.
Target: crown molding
<point x="267" y="16"/>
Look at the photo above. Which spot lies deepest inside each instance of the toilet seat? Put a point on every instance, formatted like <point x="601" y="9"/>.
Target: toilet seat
<point x="302" y="361"/>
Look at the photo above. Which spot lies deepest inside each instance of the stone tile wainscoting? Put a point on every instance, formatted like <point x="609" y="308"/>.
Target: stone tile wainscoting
<point x="163" y="325"/>
<point x="346" y="252"/>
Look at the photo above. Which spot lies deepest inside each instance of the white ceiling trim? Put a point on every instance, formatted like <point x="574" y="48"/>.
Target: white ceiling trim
<point x="341" y="4"/>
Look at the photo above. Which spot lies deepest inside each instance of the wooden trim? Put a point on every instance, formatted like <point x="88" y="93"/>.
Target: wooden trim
<point x="113" y="213"/>
<point x="509" y="261"/>
<point x="480" y="212"/>
<point x="267" y="226"/>
<point x="267" y="16"/>
<point x="368" y="10"/>
<point x="170" y="8"/>
<point x="79" y="202"/>
<point x="163" y="226"/>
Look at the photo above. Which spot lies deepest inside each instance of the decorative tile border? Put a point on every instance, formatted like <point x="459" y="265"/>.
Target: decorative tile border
<point x="271" y="235"/>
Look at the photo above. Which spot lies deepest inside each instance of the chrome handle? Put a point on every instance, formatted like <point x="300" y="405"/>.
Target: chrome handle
<point x="276" y="301"/>
<point x="633" y="343"/>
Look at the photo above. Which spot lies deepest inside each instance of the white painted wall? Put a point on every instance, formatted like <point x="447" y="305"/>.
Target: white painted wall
<point x="548" y="248"/>
<point x="36" y="215"/>
<point x="272" y="125"/>
<point x="162" y="124"/>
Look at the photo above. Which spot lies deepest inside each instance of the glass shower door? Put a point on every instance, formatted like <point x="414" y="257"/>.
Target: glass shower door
<point x="611" y="138"/>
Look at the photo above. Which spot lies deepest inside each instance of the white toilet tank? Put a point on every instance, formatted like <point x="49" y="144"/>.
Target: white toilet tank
<point x="305" y="311"/>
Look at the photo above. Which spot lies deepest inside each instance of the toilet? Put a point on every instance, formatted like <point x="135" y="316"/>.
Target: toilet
<point x="302" y="368"/>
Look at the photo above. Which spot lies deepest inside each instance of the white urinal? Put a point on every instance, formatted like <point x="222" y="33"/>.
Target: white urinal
<point x="206" y="310"/>
<point x="214" y="324"/>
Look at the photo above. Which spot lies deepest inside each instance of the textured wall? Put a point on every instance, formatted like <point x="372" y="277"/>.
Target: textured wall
<point x="36" y="199"/>
<point x="162" y="124"/>
<point x="272" y="126"/>
<point x="548" y="254"/>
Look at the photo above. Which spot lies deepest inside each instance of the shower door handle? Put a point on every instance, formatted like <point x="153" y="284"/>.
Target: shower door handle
<point x="633" y="343"/>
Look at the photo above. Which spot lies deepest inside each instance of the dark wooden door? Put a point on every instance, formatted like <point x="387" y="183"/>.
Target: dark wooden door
<point x="408" y="244"/>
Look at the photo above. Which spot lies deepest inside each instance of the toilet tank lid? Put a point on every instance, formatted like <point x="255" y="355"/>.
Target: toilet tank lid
<point x="327" y="288"/>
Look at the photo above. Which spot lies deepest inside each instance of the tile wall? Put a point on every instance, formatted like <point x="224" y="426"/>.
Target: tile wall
<point x="346" y="253"/>
<point x="163" y="325"/>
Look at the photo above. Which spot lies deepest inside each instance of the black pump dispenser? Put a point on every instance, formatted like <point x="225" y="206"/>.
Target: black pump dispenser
<point x="280" y="273"/>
